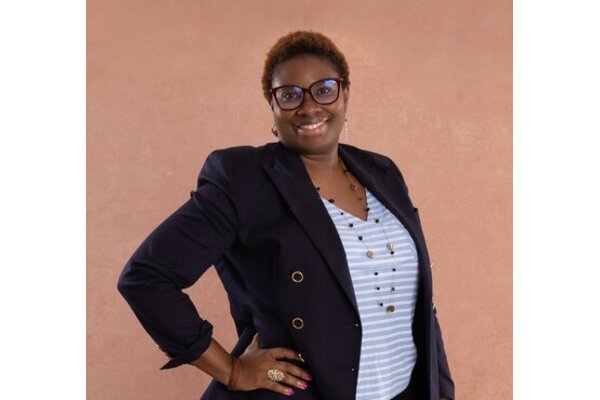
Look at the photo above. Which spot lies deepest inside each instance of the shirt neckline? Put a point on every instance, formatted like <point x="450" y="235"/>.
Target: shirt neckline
<point x="367" y="194"/>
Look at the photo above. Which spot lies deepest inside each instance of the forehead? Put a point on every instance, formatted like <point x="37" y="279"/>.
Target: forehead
<point x="302" y="71"/>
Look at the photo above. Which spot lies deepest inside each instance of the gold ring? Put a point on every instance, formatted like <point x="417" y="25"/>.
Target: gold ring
<point x="275" y="375"/>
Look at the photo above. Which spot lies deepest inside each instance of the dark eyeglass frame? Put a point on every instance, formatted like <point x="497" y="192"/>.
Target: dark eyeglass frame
<point x="304" y="90"/>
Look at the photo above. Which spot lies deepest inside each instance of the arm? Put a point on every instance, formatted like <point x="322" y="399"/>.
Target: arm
<point x="216" y="362"/>
<point x="173" y="257"/>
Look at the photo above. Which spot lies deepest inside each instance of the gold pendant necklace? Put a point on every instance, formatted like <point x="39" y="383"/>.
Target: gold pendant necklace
<point x="390" y="308"/>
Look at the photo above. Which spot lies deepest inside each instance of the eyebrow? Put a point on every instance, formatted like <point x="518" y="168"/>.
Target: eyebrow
<point x="304" y="87"/>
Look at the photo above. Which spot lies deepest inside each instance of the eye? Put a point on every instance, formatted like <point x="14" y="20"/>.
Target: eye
<point x="289" y="96"/>
<point x="325" y="88"/>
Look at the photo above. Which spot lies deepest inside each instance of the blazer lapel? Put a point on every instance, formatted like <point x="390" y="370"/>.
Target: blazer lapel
<point x="379" y="182"/>
<point x="390" y="194"/>
<point x="289" y="175"/>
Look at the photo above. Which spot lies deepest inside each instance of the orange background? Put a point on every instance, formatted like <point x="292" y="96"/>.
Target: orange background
<point x="169" y="81"/>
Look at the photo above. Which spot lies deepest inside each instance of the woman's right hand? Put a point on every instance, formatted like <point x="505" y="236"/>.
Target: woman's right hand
<point x="255" y="362"/>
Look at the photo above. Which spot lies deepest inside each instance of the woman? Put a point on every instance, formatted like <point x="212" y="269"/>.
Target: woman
<point x="318" y="246"/>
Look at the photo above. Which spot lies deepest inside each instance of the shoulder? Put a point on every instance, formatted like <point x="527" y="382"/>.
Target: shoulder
<point x="239" y="156"/>
<point x="235" y="164"/>
<point x="381" y="160"/>
<point x="377" y="158"/>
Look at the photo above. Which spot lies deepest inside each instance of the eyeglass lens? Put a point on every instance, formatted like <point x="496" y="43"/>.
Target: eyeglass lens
<point x="323" y="92"/>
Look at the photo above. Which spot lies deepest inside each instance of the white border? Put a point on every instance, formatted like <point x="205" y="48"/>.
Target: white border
<point x="556" y="164"/>
<point x="42" y="206"/>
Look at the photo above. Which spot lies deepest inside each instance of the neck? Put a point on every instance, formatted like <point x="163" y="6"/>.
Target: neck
<point x="320" y="163"/>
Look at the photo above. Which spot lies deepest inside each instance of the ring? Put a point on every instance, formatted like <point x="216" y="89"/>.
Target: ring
<point x="275" y="375"/>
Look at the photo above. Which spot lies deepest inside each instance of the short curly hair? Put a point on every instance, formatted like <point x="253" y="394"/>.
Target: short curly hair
<point x="302" y="43"/>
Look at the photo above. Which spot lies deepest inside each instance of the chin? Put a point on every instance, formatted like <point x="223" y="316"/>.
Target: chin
<point x="317" y="146"/>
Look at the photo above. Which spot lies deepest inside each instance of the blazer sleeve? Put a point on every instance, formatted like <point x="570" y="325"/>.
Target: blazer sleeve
<point x="446" y="384"/>
<point x="174" y="256"/>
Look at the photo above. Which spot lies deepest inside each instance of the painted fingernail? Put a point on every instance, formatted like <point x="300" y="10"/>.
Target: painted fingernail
<point x="309" y="377"/>
<point x="290" y="392"/>
<point x="302" y="385"/>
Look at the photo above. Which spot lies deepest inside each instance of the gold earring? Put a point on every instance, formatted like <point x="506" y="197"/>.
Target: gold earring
<point x="345" y="130"/>
<point x="274" y="131"/>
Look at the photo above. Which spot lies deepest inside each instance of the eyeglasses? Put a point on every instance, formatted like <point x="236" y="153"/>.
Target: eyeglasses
<point x="325" y="91"/>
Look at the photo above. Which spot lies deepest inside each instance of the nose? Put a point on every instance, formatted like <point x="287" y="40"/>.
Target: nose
<point x="308" y="106"/>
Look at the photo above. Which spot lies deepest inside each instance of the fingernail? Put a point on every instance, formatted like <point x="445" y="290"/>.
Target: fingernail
<point x="309" y="377"/>
<point x="291" y="392"/>
<point x="303" y="385"/>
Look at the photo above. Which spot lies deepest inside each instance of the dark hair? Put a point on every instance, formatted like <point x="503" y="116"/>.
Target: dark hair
<point x="302" y="43"/>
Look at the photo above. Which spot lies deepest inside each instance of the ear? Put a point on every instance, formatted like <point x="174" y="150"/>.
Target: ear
<point x="346" y="96"/>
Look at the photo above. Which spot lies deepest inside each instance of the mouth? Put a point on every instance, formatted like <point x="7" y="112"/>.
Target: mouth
<point x="312" y="129"/>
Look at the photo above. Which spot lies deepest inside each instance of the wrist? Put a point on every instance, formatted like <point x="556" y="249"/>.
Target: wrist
<point x="234" y="373"/>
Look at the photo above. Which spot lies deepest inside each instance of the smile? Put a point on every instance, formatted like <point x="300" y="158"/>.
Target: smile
<point x="313" y="129"/>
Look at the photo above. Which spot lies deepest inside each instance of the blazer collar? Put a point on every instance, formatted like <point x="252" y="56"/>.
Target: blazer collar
<point x="289" y="175"/>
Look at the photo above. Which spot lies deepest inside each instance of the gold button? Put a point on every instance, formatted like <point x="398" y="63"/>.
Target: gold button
<point x="297" y="276"/>
<point x="298" y="323"/>
<point x="370" y="253"/>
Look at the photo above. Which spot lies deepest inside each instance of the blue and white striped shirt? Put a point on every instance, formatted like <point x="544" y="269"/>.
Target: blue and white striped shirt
<point x="390" y="277"/>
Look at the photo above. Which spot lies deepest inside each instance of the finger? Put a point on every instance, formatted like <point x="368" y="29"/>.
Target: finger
<point x="284" y="352"/>
<point x="295" y="373"/>
<point x="278" y="388"/>
<point x="254" y="343"/>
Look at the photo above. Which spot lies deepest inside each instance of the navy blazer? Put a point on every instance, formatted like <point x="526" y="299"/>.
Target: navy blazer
<point x="257" y="218"/>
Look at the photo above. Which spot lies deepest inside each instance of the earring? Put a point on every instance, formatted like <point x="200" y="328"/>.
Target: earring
<point x="346" y="130"/>
<point x="274" y="131"/>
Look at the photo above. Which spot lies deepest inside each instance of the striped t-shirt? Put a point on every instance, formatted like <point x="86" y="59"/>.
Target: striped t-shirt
<point x="383" y="276"/>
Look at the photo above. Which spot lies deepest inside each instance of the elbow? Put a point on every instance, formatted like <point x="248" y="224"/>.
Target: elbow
<point x="124" y="284"/>
<point x="121" y="286"/>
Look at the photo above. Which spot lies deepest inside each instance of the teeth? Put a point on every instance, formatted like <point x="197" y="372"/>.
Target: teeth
<point x="312" y="126"/>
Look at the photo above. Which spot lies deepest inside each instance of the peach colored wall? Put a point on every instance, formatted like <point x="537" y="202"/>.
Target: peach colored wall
<point x="168" y="81"/>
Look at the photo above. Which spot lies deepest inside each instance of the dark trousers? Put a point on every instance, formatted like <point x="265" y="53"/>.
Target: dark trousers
<point x="416" y="389"/>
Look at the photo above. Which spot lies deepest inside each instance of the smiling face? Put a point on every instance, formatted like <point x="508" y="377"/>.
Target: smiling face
<point x="312" y="128"/>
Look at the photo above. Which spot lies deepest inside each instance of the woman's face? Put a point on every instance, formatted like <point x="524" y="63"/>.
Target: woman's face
<point x="296" y="128"/>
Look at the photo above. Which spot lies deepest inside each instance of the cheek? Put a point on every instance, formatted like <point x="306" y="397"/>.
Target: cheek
<point x="285" y="118"/>
<point x="340" y="114"/>
<point x="278" y="118"/>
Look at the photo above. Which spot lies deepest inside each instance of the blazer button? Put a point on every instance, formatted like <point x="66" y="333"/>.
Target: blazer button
<point x="433" y="307"/>
<point x="298" y="323"/>
<point x="297" y="276"/>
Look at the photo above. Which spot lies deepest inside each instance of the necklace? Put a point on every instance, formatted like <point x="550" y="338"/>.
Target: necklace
<point x="389" y="308"/>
